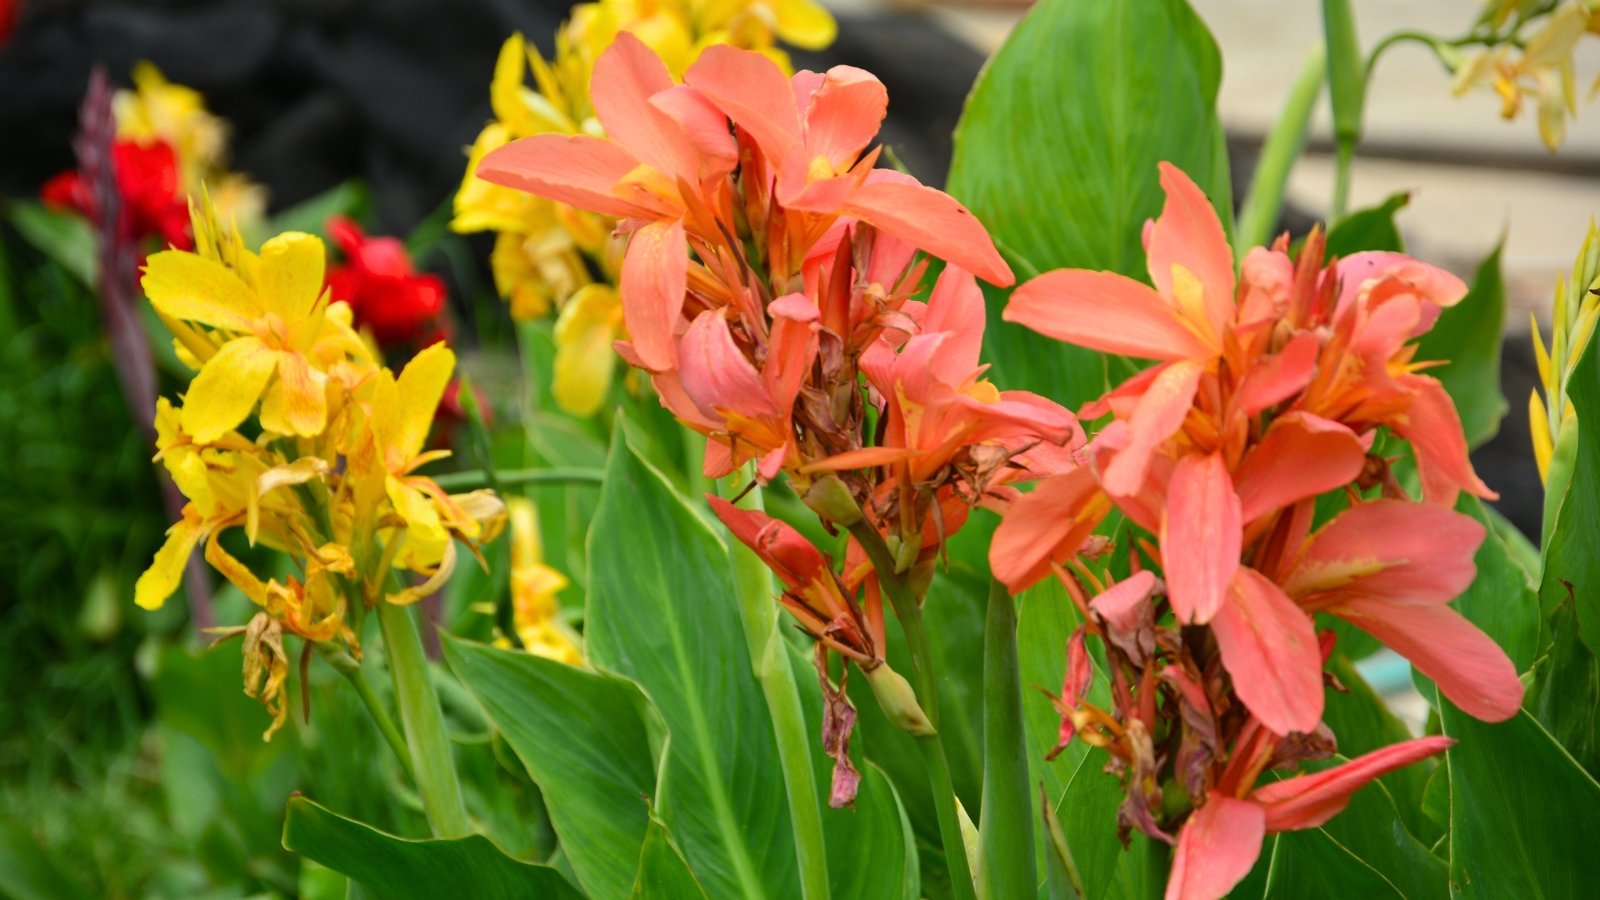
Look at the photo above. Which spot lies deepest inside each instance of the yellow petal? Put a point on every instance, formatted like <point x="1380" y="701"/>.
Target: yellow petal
<point x="420" y="387"/>
<point x="805" y="23"/>
<point x="227" y="388"/>
<point x="426" y="540"/>
<point x="1539" y="426"/>
<point x="585" y="362"/>
<point x="192" y="288"/>
<point x="166" y="570"/>
<point x="507" y="89"/>
<point x="235" y="571"/>
<point x="290" y="278"/>
<point x="300" y="471"/>
<point x="300" y="398"/>
<point x="434" y="582"/>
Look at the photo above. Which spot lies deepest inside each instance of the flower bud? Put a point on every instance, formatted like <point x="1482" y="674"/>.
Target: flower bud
<point x="898" y="701"/>
<point x="830" y="498"/>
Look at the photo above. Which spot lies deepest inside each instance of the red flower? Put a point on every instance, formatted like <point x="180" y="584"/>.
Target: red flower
<point x="147" y="181"/>
<point x="385" y="293"/>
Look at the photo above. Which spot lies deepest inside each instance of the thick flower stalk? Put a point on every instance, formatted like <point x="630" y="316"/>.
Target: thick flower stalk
<point x="1572" y="322"/>
<point x="325" y="473"/>
<point x="1270" y="391"/>
<point x="548" y="254"/>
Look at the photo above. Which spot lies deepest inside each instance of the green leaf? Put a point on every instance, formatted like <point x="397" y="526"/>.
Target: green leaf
<point x="1311" y="865"/>
<point x="1468" y="336"/>
<point x="1369" y="229"/>
<point x="1361" y="723"/>
<point x="661" y="611"/>
<point x="390" y="866"/>
<point x="663" y="872"/>
<point x="1565" y="696"/>
<point x="348" y="198"/>
<point x="66" y="238"/>
<point x="1572" y="545"/>
<point x="26" y="871"/>
<point x="1522" y="811"/>
<point x="586" y="740"/>
<point x="1005" y="832"/>
<point x="1372" y="831"/>
<point x="1501" y="601"/>
<point x="1056" y="153"/>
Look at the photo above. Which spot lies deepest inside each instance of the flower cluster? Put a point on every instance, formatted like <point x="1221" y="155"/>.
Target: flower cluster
<point x="403" y="310"/>
<point x="1271" y="390"/>
<point x="549" y="254"/>
<point x="1539" y="68"/>
<point x="1572" y="322"/>
<point x="769" y="269"/>
<point x="329" y="478"/>
<point x="535" y="611"/>
<point x="167" y="147"/>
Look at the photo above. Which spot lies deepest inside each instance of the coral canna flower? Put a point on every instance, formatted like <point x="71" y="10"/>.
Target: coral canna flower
<point x="1220" y="842"/>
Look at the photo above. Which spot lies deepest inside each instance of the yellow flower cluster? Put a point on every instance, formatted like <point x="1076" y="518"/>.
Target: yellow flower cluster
<point x="536" y="613"/>
<point x="549" y="255"/>
<point x="1540" y="69"/>
<point x="157" y="109"/>
<point x="1572" y="322"/>
<point x="329" y="478"/>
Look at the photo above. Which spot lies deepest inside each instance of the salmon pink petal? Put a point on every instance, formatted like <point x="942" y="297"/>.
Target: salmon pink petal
<point x="1408" y="553"/>
<point x="625" y="77"/>
<point x="1280" y="377"/>
<point x="1104" y="311"/>
<point x="1359" y="271"/>
<point x="1465" y="663"/>
<point x="753" y="92"/>
<point x="1200" y="537"/>
<point x="956" y="306"/>
<point x="1188" y="233"/>
<point x="716" y="374"/>
<point x="844" y="115"/>
<point x="1301" y="455"/>
<point x="931" y="220"/>
<point x="655" y="277"/>
<point x="1217" y="847"/>
<point x="793" y="347"/>
<point x="1047" y="525"/>
<point x="1266" y="286"/>
<point x="863" y="458"/>
<point x="1270" y="648"/>
<point x="1159" y="414"/>
<point x="1074" y="684"/>
<point x="1028" y="413"/>
<point x="669" y="389"/>
<point x="1434" y="430"/>
<point x="705" y="127"/>
<point x="1306" y="801"/>
<point x="577" y="170"/>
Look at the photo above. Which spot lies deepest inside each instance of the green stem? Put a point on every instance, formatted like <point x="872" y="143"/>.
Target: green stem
<point x="431" y="758"/>
<point x="909" y="612"/>
<point x="1346" y="93"/>
<point x="477" y="478"/>
<point x="1005" y="834"/>
<point x="1345" y="157"/>
<point x="346" y="665"/>
<point x="770" y="662"/>
<point x="1278" y="155"/>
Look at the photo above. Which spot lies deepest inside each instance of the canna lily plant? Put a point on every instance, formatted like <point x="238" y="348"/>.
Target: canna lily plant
<point x="888" y="457"/>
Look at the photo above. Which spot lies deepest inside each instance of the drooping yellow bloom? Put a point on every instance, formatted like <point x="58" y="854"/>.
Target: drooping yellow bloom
<point x="332" y="480"/>
<point x="536" y="613"/>
<point x="1572" y="323"/>
<point x="1542" y="70"/>
<point x="589" y="324"/>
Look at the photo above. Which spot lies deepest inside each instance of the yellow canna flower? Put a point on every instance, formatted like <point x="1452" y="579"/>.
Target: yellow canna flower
<point x="585" y="364"/>
<point x="536" y="612"/>
<point x="1542" y="71"/>
<point x="279" y="335"/>
<point x="1572" y="323"/>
